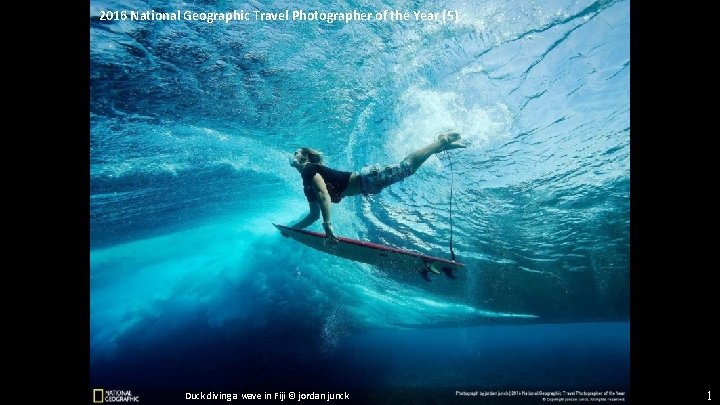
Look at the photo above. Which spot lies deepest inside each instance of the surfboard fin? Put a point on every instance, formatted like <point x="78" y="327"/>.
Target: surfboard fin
<point x="432" y="267"/>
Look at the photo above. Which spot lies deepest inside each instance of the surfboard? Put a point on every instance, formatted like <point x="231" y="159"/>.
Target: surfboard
<point x="373" y="253"/>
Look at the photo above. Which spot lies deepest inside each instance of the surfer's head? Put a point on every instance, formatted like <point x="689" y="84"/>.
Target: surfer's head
<point x="306" y="155"/>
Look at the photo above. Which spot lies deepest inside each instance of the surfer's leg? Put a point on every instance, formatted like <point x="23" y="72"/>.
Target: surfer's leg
<point x="445" y="141"/>
<point x="372" y="179"/>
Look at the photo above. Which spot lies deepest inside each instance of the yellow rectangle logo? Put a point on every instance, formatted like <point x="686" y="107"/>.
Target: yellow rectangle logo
<point x="98" y="396"/>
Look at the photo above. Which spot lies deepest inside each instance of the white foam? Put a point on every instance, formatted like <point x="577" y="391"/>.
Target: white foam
<point x="471" y="69"/>
<point x="426" y="112"/>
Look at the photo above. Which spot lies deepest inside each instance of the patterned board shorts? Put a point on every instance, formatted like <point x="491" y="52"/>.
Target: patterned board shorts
<point x="376" y="177"/>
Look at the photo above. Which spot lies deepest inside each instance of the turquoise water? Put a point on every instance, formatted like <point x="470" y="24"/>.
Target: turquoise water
<point x="192" y="123"/>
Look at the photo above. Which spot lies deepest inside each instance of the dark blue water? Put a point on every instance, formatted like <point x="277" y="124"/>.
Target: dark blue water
<point x="191" y="287"/>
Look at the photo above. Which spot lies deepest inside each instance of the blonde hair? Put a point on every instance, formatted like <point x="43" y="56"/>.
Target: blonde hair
<point x="312" y="155"/>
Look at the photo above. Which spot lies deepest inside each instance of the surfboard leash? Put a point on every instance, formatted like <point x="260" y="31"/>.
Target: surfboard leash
<point x="452" y="179"/>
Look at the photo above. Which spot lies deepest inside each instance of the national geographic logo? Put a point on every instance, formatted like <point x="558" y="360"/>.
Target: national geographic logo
<point x="101" y="396"/>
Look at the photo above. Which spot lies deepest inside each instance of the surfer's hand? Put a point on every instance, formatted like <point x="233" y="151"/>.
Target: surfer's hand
<point x="329" y="234"/>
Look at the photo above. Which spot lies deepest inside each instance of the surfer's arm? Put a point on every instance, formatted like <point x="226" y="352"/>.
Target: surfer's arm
<point x="309" y="218"/>
<point x="324" y="198"/>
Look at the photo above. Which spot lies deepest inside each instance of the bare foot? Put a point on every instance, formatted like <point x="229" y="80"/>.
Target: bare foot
<point x="449" y="140"/>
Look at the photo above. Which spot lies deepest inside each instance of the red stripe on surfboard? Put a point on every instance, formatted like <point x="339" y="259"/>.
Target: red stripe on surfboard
<point x="373" y="246"/>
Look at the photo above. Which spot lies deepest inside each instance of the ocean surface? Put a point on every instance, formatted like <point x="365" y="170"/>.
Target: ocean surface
<point x="193" y="290"/>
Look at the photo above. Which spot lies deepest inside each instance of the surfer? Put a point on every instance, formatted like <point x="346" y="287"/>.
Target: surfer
<point x="323" y="185"/>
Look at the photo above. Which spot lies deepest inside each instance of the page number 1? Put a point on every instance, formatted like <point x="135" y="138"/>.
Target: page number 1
<point x="708" y="395"/>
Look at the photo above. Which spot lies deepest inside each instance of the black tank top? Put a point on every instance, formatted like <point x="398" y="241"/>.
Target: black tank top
<point x="335" y="181"/>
